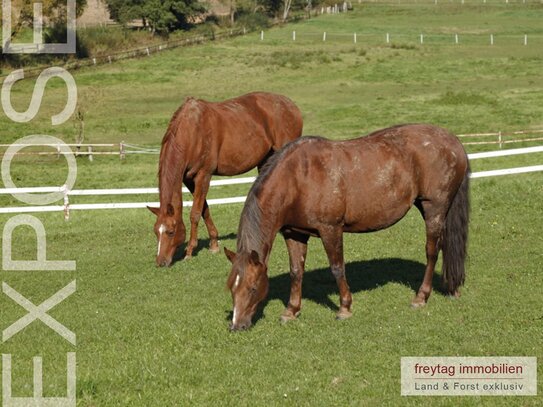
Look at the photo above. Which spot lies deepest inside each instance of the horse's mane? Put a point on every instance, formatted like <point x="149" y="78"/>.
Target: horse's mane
<point x="250" y="236"/>
<point x="170" y="156"/>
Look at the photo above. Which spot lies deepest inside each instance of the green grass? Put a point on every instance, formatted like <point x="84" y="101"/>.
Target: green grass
<point x="154" y="337"/>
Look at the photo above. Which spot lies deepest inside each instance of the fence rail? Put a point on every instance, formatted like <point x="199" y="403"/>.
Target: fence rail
<point x="222" y="182"/>
<point x="123" y="149"/>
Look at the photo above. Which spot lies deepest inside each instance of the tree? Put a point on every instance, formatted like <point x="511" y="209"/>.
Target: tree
<point x="53" y="11"/>
<point x="161" y="16"/>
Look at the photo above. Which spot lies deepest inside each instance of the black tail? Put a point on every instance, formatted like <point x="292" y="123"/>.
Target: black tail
<point x="455" y="239"/>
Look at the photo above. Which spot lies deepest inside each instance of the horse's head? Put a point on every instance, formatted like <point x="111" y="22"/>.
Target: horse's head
<point x="248" y="283"/>
<point x="170" y="232"/>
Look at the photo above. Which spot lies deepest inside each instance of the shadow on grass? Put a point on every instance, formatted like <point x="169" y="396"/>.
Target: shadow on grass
<point x="318" y="285"/>
<point x="202" y="244"/>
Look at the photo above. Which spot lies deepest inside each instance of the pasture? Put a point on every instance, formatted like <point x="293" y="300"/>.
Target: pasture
<point x="157" y="337"/>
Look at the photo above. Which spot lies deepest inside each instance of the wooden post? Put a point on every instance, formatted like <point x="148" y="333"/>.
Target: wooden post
<point x="456" y="38"/>
<point x="90" y="154"/>
<point x="500" y="138"/>
<point x="293" y="35"/>
<point x="109" y="59"/>
<point x="388" y="38"/>
<point x="525" y="39"/>
<point x="324" y="36"/>
<point x="422" y="39"/>
<point x="491" y="39"/>
<point x="66" y="202"/>
<point x="261" y="35"/>
<point x="355" y="38"/>
<point x="122" y="153"/>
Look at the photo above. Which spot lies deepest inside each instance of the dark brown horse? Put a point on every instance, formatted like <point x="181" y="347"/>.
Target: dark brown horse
<point x="318" y="187"/>
<point x="205" y="139"/>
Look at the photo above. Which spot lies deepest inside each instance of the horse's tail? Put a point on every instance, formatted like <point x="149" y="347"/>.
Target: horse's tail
<point x="455" y="239"/>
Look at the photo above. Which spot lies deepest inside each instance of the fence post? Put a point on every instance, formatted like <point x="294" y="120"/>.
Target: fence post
<point x="422" y="39"/>
<point x="109" y="59"/>
<point x="491" y="39"/>
<point x="261" y="35"/>
<point x="58" y="151"/>
<point x="148" y="52"/>
<point x="525" y="39"/>
<point x="66" y="202"/>
<point x="121" y="151"/>
<point x="324" y="36"/>
<point x="500" y="138"/>
<point x="94" y="61"/>
<point x="90" y="153"/>
<point x="388" y="38"/>
<point x="456" y="38"/>
<point x="355" y="38"/>
<point x="293" y="35"/>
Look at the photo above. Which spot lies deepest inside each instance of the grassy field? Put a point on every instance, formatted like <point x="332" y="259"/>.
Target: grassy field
<point x="154" y="337"/>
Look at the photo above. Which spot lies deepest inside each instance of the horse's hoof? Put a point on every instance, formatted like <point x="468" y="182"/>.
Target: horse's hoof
<point x="187" y="256"/>
<point x="287" y="316"/>
<point x="417" y="303"/>
<point x="343" y="314"/>
<point x="214" y="250"/>
<point x="454" y="296"/>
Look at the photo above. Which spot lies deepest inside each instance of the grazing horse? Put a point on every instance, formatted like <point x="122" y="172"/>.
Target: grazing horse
<point x="318" y="187"/>
<point x="205" y="139"/>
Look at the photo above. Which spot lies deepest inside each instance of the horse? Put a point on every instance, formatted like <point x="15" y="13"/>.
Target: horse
<point x="323" y="188"/>
<point x="214" y="138"/>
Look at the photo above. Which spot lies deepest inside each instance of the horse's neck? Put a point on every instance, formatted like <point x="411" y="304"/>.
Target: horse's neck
<point x="258" y="228"/>
<point x="172" y="169"/>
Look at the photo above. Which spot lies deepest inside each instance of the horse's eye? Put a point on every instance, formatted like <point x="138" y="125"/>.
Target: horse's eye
<point x="170" y="233"/>
<point x="252" y="290"/>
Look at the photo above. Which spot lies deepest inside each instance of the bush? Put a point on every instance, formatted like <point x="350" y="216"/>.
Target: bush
<point x="253" y="21"/>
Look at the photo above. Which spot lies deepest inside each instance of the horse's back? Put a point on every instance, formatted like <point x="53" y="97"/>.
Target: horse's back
<point x="279" y="115"/>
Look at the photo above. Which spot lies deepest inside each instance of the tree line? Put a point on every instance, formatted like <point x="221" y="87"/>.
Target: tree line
<point x="163" y="16"/>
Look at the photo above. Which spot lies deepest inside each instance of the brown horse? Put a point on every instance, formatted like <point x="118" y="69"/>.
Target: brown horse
<point x="205" y="139"/>
<point x="318" y="187"/>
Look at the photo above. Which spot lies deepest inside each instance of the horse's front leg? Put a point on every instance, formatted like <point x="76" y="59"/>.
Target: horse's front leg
<point x="199" y="192"/>
<point x="297" y="251"/>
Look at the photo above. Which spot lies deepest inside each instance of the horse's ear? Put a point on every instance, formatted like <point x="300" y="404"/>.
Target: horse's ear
<point x="154" y="210"/>
<point x="253" y="258"/>
<point x="169" y="210"/>
<point x="230" y="255"/>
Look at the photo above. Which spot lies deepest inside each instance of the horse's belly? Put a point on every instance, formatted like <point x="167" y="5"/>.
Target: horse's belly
<point x="372" y="217"/>
<point x="234" y="160"/>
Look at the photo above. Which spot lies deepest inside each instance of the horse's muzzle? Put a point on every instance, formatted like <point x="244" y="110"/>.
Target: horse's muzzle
<point x="163" y="262"/>
<point x="239" y="327"/>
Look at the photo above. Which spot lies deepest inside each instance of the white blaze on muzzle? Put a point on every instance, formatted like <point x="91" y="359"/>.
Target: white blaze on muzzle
<point x="161" y="230"/>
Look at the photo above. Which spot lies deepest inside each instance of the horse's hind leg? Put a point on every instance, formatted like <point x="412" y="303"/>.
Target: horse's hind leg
<point x="211" y="229"/>
<point x="434" y="218"/>
<point x="297" y="251"/>
<point x="332" y="239"/>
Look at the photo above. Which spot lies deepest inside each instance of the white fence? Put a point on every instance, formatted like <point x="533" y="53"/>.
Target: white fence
<point x="122" y="149"/>
<point x="66" y="207"/>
